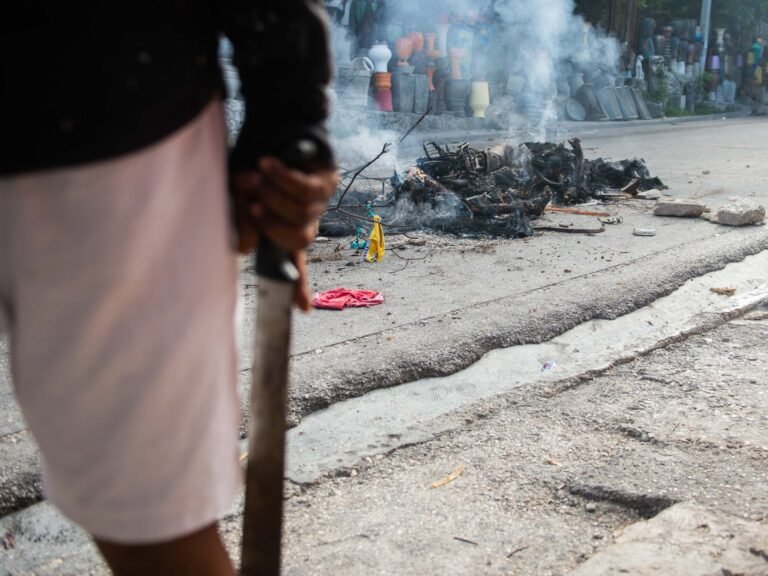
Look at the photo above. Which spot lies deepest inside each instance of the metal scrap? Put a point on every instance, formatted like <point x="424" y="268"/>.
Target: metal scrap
<point x="498" y="191"/>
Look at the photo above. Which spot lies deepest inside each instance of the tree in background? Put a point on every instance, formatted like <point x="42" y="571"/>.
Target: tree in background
<point x="742" y="17"/>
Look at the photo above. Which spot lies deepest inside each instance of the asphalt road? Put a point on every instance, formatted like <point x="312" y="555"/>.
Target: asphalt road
<point x="457" y="299"/>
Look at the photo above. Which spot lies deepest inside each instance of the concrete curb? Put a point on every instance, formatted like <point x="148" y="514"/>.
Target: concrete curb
<point x="528" y="318"/>
<point x="574" y="129"/>
<point x="338" y="438"/>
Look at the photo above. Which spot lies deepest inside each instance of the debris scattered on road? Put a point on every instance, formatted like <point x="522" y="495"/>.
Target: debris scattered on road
<point x="466" y="541"/>
<point x="9" y="541"/>
<point x="611" y="221"/>
<point x="740" y="213"/>
<point x="450" y="478"/>
<point x="644" y="232"/>
<point x="723" y="291"/>
<point x="590" y="507"/>
<point x="551" y="462"/>
<point x="569" y="230"/>
<point x="549" y="365"/>
<point x="576" y="211"/>
<point x="680" y="208"/>
<point x="517" y="551"/>
<point x="340" y="298"/>
<point x="649" y="194"/>
<point x="498" y="191"/>
<point x="632" y="187"/>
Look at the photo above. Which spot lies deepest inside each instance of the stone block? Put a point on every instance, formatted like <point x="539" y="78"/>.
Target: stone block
<point x="741" y="213"/>
<point x="680" y="208"/>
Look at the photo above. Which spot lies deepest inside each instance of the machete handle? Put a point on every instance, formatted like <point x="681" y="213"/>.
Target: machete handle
<point x="271" y="261"/>
<point x="274" y="263"/>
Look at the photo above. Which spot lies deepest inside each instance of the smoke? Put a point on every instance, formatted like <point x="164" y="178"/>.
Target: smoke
<point x="528" y="51"/>
<point x="341" y="44"/>
<point x="546" y="44"/>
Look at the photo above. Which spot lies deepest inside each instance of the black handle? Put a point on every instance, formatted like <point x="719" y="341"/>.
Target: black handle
<point x="271" y="261"/>
<point x="274" y="263"/>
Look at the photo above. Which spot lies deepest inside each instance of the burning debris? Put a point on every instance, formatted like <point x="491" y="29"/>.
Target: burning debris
<point x="498" y="191"/>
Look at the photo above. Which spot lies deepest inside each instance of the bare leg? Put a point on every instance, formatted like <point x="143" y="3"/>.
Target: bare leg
<point x="199" y="554"/>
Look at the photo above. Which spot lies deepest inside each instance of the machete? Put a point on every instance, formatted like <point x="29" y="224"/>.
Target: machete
<point x="263" y="515"/>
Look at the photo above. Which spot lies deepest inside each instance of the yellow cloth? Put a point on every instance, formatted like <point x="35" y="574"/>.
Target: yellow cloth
<point x="376" y="242"/>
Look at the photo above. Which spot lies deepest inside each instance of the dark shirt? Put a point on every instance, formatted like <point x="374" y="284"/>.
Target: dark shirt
<point x="89" y="80"/>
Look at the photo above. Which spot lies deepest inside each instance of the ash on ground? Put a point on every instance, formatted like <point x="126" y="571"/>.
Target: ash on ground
<point x="494" y="192"/>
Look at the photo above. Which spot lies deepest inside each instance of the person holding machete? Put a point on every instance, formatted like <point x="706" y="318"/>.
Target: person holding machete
<point x="118" y="276"/>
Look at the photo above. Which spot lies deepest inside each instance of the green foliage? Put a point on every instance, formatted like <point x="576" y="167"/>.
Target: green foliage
<point x="674" y="8"/>
<point x="660" y="91"/>
<point x="744" y="15"/>
<point x="703" y="109"/>
<point x="706" y="108"/>
<point x="670" y="112"/>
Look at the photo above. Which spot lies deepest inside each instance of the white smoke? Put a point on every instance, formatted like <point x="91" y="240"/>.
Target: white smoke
<point x="537" y="47"/>
<point x="341" y="44"/>
<point x="546" y="44"/>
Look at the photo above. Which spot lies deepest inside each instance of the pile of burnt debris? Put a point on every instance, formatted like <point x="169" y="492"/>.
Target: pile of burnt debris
<point x="497" y="192"/>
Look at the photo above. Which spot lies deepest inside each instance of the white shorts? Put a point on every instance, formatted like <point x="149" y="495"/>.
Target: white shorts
<point x="118" y="287"/>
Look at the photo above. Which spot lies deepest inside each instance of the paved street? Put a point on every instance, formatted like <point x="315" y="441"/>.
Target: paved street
<point x="559" y="473"/>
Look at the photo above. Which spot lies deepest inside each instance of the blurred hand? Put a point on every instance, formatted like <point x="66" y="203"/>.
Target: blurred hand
<point x="284" y="204"/>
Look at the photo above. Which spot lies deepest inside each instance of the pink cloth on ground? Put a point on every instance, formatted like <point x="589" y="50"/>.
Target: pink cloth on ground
<point x="339" y="298"/>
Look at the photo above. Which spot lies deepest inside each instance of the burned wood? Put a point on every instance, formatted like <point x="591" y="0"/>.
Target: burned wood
<point x="517" y="551"/>
<point x="547" y="180"/>
<point x="466" y="541"/>
<point x="576" y="211"/>
<point x="578" y="172"/>
<point x="499" y="191"/>
<point x="371" y="220"/>
<point x="362" y="169"/>
<point x="415" y="125"/>
<point x="632" y="187"/>
<point x="569" y="230"/>
<point x="358" y="172"/>
<point x="617" y="175"/>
